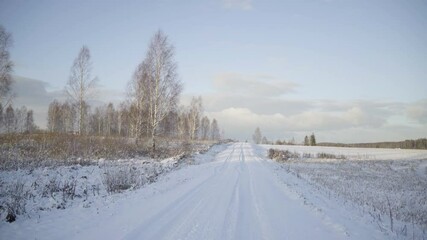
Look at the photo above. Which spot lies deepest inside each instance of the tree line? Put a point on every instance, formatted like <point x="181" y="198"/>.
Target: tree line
<point x="185" y="123"/>
<point x="18" y="120"/>
<point x="150" y="111"/>
<point x="420" y="143"/>
<point x="12" y="120"/>
<point x="310" y="141"/>
<point x="258" y="138"/>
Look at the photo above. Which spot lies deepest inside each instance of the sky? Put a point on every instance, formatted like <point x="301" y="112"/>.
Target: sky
<point x="346" y="70"/>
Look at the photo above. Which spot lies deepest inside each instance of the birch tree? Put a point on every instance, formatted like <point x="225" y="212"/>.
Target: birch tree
<point x="257" y="137"/>
<point x="20" y="118"/>
<point x="69" y="116"/>
<point x="306" y="141"/>
<point x="54" y="117"/>
<point x="6" y="66"/>
<point x="194" y="116"/>
<point x="215" y="134"/>
<point x="10" y="120"/>
<point x="29" y="122"/>
<point x="81" y="85"/>
<point x="204" y="128"/>
<point x="1" y="118"/>
<point x="139" y="89"/>
<point x="169" y="126"/>
<point x="183" y="129"/>
<point x="110" y="120"/>
<point x="123" y="120"/>
<point x="157" y="85"/>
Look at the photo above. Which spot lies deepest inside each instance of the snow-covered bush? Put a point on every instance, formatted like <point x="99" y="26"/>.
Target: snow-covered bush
<point x="16" y="199"/>
<point x="117" y="179"/>
<point x="124" y="175"/>
<point x="285" y="155"/>
<point x="26" y="151"/>
<point x="53" y="186"/>
<point x="26" y="192"/>
<point x="68" y="189"/>
<point x="61" y="191"/>
<point x="330" y="156"/>
<point x="47" y="149"/>
<point x="282" y="155"/>
<point x="307" y="155"/>
<point x="28" y="186"/>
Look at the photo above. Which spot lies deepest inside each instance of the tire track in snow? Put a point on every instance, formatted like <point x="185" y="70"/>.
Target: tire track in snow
<point x="231" y="218"/>
<point x="237" y="196"/>
<point x="183" y="210"/>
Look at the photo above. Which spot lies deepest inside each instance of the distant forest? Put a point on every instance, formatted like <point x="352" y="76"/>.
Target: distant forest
<point x="149" y="122"/>
<point x="407" y="144"/>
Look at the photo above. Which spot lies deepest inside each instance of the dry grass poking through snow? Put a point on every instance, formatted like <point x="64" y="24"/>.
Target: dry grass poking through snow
<point x="393" y="191"/>
<point x="58" y="185"/>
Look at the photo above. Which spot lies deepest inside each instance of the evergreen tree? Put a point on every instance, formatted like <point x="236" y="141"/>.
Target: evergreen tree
<point x="312" y="140"/>
<point x="306" y="141"/>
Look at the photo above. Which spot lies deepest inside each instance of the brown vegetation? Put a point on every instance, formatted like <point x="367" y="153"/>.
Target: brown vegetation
<point x="407" y="144"/>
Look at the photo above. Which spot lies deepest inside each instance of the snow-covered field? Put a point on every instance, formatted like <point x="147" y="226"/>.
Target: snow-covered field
<point x="357" y="153"/>
<point x="390" y="185"/>
<point x="230" y="192"/>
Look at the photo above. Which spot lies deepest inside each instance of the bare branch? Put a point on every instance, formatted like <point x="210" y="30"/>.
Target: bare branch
<point x="155" y="87"/>
<point x="6" y="67"/>
<point x="81" y="85"/>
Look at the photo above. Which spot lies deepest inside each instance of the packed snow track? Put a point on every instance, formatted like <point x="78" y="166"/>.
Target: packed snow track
<point x="236" y="195"/>
<point x="240" y="199"/>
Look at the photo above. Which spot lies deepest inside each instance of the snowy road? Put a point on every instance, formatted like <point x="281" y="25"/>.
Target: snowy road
<point x="234" y="197"/>
<point x="237" y="195"/>
<point x="240" y="199"/>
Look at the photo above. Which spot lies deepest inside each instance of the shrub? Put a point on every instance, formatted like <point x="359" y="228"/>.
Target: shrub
<point x="53" y="186"/>
<point x="69" y="190"/>
<point x="330" y="156"/>
<point x="16" y="201"/>
<point x="282" y="155"/>
<point x="44" y="149"/>
<point x="118" y="179"/>
<point x="19" y="151"/>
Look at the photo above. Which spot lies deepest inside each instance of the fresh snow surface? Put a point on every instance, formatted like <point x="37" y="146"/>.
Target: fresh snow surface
<point x="356" y="153"/>
<point x="234" y="194"/>
<point x="389" y="185"/>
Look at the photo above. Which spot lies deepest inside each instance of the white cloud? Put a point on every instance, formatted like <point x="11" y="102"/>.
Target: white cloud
<point x="331" y="125"/>
<point x="238" y="4"/>
<point x="243" y="102"/>
<point x="304" y="121"/>
<point x="355" y="115"/>
<point x="418" y="111"/>
<point x="256" y="85"/>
